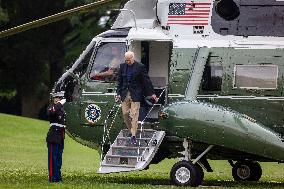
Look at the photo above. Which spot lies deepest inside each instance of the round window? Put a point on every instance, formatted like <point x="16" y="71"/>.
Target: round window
<point x="227" y="9"/>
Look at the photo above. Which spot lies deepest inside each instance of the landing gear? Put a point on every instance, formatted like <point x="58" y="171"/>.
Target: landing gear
<point x="185" y="173"/>
<point x="246" y="171"/>
<point x="188" y="172"/>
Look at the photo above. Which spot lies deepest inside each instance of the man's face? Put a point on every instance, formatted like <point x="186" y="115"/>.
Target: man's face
<point x="129" y="60"/>
<point x="56" y="100"/>
<point x="115" y="51"/>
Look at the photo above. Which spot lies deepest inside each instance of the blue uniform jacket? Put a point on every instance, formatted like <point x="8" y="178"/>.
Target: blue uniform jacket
<point x="56" y="116"/>
<point x="139" y="86"/>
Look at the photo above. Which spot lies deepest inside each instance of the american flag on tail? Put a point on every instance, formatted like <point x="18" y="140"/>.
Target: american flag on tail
<point x="192" y="13"/>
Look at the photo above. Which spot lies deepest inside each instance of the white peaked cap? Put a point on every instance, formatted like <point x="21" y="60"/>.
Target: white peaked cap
<point x="58" y="94"/>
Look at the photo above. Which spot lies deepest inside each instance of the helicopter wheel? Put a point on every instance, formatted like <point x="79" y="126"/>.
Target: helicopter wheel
<point x="246" y="171"/>
<point x="257" y="172"/>
<point x="184" y="173"/>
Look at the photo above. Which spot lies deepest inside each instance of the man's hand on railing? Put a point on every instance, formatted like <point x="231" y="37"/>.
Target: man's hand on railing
<point x="155" y="98"/>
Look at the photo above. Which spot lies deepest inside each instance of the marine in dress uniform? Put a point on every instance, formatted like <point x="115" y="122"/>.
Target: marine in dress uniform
<point x="55" y="136"/>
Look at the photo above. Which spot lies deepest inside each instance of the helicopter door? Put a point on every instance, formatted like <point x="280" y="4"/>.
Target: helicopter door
<point x="155" y="55"/>
<point x="100" y="87"/>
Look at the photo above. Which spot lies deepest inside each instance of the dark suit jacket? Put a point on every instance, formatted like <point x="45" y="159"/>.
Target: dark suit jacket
<point x="139" y="86"/>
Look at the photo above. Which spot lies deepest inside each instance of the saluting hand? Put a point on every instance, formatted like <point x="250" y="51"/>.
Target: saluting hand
<point x="117" y="98"/>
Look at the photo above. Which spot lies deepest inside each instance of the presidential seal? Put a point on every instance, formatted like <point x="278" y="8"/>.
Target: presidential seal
<point x="93" y="113"/>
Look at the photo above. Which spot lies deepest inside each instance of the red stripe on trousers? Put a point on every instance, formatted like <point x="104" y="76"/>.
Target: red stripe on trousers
<point x="50" y="164"/>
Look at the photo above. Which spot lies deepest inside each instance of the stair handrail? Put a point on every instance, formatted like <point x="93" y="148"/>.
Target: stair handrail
<point x="106" y="129"/>
<point x="147" y="147"/>
<point x="141" y="128"/>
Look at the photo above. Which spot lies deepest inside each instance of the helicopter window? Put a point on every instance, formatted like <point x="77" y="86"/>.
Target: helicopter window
<point x="212" y="78"/>
<point x="198" y="29"/>
<point x="256" y="76"/>
<point x="106" y="62"/>
<point x="82" y="66"/>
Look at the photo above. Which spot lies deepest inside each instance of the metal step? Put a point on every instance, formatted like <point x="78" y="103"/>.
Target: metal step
<point x="146" y="133"/>
<point x="124" y="156"/>
<point x="127" y="151"/>
<point x="119" y="166"/>
<point x="122" y="141"/>
<point x="105" y="168"/>
<point x="121" y="160"/>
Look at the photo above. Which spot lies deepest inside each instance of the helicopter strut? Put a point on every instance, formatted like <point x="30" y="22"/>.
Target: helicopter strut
<point x="188" y="172"/>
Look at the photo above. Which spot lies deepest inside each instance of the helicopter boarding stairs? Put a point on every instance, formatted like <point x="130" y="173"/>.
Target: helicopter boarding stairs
<point x="124" y="156"/>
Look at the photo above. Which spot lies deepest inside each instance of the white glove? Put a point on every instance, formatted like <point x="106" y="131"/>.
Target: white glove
<point x="62" y="101"/>
<point x="117" y="98"/>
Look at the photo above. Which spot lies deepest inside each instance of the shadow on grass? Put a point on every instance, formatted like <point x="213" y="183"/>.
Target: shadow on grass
<point x="137" y="178"/>
<point x="120" y="179"/>
<point x="241" y="184"/>
<point x="164" y="180"/>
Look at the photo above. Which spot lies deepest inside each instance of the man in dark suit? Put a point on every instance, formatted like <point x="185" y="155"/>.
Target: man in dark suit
<point x="133" y="84"/>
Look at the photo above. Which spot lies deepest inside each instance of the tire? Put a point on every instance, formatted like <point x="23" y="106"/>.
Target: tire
<point x="185" y="173"/>
<point x="246" y="171"/>
<point x="256" y="172"/>
<point x="200" y="174"/>
<point x="242" y="171"/>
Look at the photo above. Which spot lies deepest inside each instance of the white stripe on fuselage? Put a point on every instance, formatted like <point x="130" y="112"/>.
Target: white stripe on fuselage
<point x="274" y="98"/>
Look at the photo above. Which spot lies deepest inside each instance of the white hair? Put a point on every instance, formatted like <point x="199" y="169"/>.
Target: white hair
<point x="129" y="54"/>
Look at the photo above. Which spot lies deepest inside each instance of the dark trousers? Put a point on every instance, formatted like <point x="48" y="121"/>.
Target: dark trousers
<point x="54" y="161"/>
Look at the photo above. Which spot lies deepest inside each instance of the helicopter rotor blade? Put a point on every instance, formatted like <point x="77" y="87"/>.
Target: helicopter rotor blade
<point x="52" y="18"/>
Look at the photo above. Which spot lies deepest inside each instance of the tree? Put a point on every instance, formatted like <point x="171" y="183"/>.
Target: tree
<point x="33" y="60"/>
<point x="87" y="25"/>
<point x="27" y="58"/>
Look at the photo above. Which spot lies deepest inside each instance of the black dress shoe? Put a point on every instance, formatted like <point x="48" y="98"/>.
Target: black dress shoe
<point x="133" y="140"/>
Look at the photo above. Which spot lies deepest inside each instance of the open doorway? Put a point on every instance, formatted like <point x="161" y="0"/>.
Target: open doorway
<point x="155" y="55"/>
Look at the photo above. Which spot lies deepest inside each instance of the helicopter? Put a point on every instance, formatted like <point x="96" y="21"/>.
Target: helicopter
<point x="217" y="69"/>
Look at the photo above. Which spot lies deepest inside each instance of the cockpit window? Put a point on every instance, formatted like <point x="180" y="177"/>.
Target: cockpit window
<point x="106" y="62"/>
<point x="256" y="76"/>
<point x="84" y="62"/>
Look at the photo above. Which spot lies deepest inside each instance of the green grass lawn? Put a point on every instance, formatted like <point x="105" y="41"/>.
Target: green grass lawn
<point x="23" y="164"/>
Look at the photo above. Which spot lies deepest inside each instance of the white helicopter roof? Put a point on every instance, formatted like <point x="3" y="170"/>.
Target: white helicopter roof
<point x="144" y="12"/>
<point x="140" y="34"/>
<point x="197" y="23"/>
